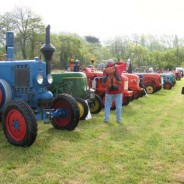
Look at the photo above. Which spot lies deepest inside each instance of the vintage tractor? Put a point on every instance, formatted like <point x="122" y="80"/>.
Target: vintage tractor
<point x="167" y="80"/>
<point x="173" y="78"/>
<point x="95" y="81"/>
<point x="178" y="74"/>
<point x="181" y="70"/>
<point x="24" y="98"/>
<point x="153" y="82"/>
<point x="133" y="85"/>
<point x="76" y="84"/>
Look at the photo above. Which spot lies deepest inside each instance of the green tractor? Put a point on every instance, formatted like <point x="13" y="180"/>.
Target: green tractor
<point x="76" y="84"/>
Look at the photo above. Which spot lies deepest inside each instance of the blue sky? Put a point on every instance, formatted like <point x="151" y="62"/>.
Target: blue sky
<point x="107" y="19"/>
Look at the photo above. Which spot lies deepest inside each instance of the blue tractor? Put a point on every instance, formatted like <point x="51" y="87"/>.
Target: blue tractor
<point x="25" y="99"/>
<point x="167" y="80"/>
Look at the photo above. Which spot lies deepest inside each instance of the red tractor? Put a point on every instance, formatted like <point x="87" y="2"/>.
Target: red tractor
<point x="95" y="82"/>
<point x="133" y="85"/>
<point x="153" y="82"/>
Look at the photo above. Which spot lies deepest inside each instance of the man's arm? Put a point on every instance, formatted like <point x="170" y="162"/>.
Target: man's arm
<point x="121" y="67"/>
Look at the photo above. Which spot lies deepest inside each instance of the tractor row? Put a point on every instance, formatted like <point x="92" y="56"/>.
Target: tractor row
<point x="135" y="85"/>
<point x="30" y="92"/>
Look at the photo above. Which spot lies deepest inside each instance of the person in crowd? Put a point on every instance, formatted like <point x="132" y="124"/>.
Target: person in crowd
<point x="114" y="88"/>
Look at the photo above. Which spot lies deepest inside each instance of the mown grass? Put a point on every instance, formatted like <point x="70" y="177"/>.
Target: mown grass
<point x="148" y="148"/>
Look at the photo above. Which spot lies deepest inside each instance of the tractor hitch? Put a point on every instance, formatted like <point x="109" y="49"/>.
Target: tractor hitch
<point x="58" y="113"/>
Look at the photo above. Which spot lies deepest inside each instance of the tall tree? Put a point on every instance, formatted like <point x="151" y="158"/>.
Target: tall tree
<point x="176" y="45"/>
<point x="69" y="49"/>
<point x="117" y="48"/>
<point x="26" y="24"/>
<point x="6" y="24"/>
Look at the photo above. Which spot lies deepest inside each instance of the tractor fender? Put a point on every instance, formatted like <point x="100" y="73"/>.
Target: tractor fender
<point x="5" y="94"/>
<point x="94" y="82"/>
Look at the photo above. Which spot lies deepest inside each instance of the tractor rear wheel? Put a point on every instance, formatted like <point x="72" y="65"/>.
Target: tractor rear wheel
<point x="83" y="107"/>
<point x="95" y="105"/>
<point x="69" y="106"/>
<point x="19" y="123"/>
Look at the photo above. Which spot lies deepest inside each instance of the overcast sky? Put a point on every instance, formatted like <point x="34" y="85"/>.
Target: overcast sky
<point x="107" y="19"/>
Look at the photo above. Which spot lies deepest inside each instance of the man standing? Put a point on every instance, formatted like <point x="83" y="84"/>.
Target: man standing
<point x="114" y="88"/>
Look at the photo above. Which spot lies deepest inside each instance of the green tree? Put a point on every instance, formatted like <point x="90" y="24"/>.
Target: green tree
<point x="6" y="24"/>
<point x="117" y="48"/>
<point x="27" y="27"/>
<point x="35" y="39"/>
<point x="157" y="59"/>
<point x="176" y="46"/>
<point x="69" y="49"/>
<point x="169" y="59"/>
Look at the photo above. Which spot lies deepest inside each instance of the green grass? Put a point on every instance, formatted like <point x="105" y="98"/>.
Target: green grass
<point x="148" y="148"/>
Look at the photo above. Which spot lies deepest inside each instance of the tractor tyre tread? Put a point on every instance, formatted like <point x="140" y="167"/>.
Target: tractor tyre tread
<point x="30" y="119"/>
<point x="85" y="107"/>
<point x="74" y="110"/>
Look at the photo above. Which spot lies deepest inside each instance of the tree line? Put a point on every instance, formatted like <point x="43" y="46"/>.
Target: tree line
<point x="160" y="52"/>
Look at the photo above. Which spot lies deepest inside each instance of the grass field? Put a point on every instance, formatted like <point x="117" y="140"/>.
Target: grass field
<point x="148" y="148"/>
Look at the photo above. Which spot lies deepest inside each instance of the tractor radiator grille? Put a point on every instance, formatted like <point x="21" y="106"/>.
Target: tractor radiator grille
<point x="22" y="76"/>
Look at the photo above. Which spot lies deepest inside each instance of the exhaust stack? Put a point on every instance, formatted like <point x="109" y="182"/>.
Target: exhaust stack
<point x="47" y="49"/>
<point x="10" y="45"/>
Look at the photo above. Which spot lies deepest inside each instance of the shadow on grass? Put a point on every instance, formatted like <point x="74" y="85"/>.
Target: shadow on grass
<point x="71" y="136"/>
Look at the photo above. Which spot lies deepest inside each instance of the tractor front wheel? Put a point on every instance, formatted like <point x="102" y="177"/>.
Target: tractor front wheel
<point x="19" y="123"/>
<point x="95" y="105"/>
<point x="167" y="86"/>
<point x="83" y="107"/>
<point x="150" y="89"/>
<point x="69" y="118"/>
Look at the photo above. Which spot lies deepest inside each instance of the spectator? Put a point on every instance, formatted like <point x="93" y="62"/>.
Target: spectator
<point x="113" y="94"/>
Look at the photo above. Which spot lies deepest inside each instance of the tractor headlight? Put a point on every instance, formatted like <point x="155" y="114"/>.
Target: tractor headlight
<point x="49" y="78"/>
<point x="39" y="79"/>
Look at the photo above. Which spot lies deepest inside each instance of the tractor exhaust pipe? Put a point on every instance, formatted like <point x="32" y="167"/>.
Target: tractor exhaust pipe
<point x="10" y="45"/>
<point x="47" y="50"/>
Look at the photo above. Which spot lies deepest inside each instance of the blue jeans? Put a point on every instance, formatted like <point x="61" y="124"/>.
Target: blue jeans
<point x="109" y="98"/>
